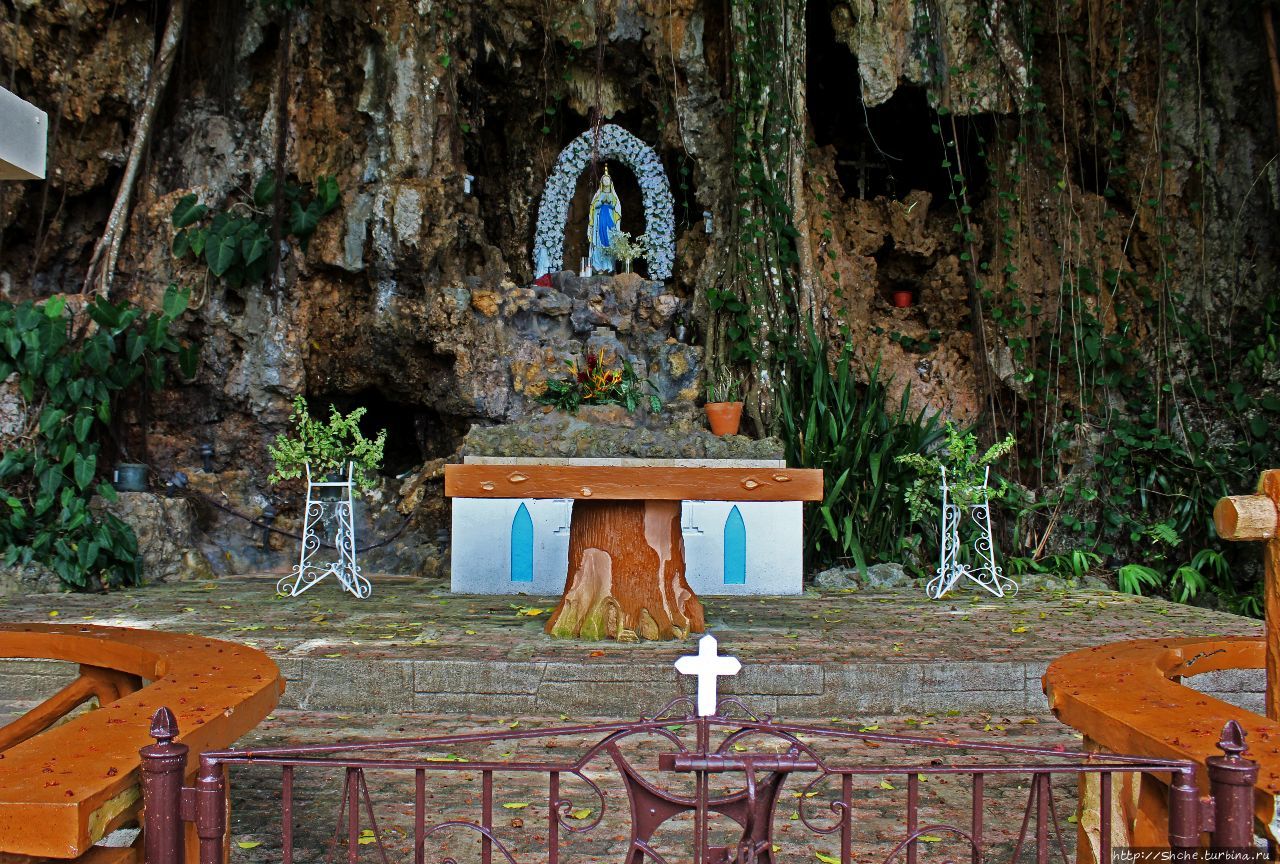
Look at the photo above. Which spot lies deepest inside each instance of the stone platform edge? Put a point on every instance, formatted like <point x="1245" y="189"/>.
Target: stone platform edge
<point x="624" y="690"/>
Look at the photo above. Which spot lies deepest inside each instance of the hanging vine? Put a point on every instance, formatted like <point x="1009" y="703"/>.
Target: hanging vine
<point x="765" y="290"/>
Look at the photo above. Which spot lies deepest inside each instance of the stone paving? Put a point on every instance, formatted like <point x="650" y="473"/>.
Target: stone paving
<point x="520" y="806"/>
<point x="413" y="646"/>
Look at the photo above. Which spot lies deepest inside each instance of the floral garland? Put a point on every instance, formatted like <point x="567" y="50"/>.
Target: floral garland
<point x="659" y="207"/>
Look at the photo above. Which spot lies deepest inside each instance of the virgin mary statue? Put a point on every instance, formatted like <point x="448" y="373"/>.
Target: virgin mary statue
<point x="605" y="219"/>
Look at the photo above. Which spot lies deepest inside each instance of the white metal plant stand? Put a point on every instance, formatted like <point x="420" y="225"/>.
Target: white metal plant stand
<point x="332" y="515"/>
<point x="987" y="574"/>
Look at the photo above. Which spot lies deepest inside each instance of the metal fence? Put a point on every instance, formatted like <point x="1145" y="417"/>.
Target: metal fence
<point x="716" y="783"/>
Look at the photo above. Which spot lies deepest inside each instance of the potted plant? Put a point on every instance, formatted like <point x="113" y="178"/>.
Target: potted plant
<point x="326" y="448"/>
<point x="724" y="407"/>
<point x="903" y="298"/>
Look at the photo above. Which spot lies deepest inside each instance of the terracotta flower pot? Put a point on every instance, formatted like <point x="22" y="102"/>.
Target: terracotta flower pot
<point x="902" y="299"/>
<point x="724" y="417"/>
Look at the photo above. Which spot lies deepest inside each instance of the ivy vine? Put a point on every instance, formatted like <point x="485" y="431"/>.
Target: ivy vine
<point x="234" y="244"/>
<point x="68" y="372"/>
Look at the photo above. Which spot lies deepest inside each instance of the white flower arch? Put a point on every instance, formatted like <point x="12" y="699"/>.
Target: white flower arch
<point x="659" y="207"/>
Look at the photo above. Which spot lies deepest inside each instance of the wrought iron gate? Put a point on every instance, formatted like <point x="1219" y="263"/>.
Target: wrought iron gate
<point x="731" y="772"/>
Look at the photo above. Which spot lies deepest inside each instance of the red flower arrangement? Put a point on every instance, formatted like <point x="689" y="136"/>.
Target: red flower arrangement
<point x="597" y="384"/>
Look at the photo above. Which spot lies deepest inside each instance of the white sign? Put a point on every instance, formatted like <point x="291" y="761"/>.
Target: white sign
<point x="707" y="666"/>
<point x="24" y="130"/>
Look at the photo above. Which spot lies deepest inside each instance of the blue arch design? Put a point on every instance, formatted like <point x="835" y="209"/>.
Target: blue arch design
<point x="735" y="549"/>
<point x="522" y="546"/>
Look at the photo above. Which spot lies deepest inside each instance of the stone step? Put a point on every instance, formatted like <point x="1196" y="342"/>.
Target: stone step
<point x="625" y="690"/>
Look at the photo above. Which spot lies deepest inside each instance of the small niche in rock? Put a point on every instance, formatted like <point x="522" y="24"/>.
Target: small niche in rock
<point x="897" y="270"/>
<point x="892" y="148"/>
<point x="1092" y="170"/>
<point x="234" y="302"/>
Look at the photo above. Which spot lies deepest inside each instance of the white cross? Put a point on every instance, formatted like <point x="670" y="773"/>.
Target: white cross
<point x="707" y="666"/>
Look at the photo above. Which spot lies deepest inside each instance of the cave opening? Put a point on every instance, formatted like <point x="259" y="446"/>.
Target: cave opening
<point x="415" y="433"/>
<point x="893" y="148"/>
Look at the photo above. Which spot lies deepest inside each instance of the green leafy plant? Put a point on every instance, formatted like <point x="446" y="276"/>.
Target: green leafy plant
<point x="326" y="446"/>
<point x="69" y="372"/>
<point x="833" y="421"/>
<point x="1132" y="578"/>
<point x="966" y="473"/>
<point x="627" y="249"/>
<point x="598" y="384"/>
<point x="235" y="244"/>
<point x="1076" y="564"/>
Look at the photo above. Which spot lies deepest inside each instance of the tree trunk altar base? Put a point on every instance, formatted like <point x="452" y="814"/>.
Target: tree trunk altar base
<point x="626" y="575"/>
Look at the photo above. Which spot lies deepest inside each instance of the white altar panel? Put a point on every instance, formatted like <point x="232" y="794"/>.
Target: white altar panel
<point x="774" y="541"/>
<point x="481" y="551"/>
<point x="481" y="555"/>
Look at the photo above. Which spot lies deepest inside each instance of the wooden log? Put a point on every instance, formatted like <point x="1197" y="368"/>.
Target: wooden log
<point x="1245" y="517"/>
<point x="626" y="575"/>
<point x="632" y="483"/>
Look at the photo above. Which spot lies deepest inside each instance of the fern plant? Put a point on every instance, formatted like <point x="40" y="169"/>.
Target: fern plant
<point x="327" y="447"/>
<point x="966" y="473"/>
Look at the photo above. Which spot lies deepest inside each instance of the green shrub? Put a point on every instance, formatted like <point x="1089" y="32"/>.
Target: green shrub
<point x="967" y="480"/>
<point x="846" y="427"/>
<point x="327" y="446"/>
<point x="50" y="468"/>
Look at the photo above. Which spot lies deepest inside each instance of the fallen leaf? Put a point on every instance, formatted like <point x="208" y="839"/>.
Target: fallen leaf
<point x="827" y="859"/>
<point x="54" y="613"/>
<point x="1021" y="628"/>
<point x="885" y="784"/>
<point x="580" y="813"/>
<point x="929" y="838"/>
<point x="249" y="844"/>
<point x="516" y="805"/>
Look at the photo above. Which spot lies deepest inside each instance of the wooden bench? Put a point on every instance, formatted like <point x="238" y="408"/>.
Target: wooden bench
<point x="64" y="787"/>
<point x="626" y="577"/>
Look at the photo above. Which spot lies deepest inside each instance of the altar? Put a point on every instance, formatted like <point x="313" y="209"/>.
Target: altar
<point x="626" y="557"/>
<point x="521" y="545"/>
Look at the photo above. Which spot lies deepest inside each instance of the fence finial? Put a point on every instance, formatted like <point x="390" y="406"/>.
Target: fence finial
<point x="164" y="726"/>
<point x="1232" y="741"/>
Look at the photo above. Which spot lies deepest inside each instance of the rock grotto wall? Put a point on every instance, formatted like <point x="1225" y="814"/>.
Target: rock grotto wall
<point x="413" y="298"/>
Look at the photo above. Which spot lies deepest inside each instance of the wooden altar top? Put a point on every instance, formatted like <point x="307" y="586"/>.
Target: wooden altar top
<point x="632" y="483"/>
